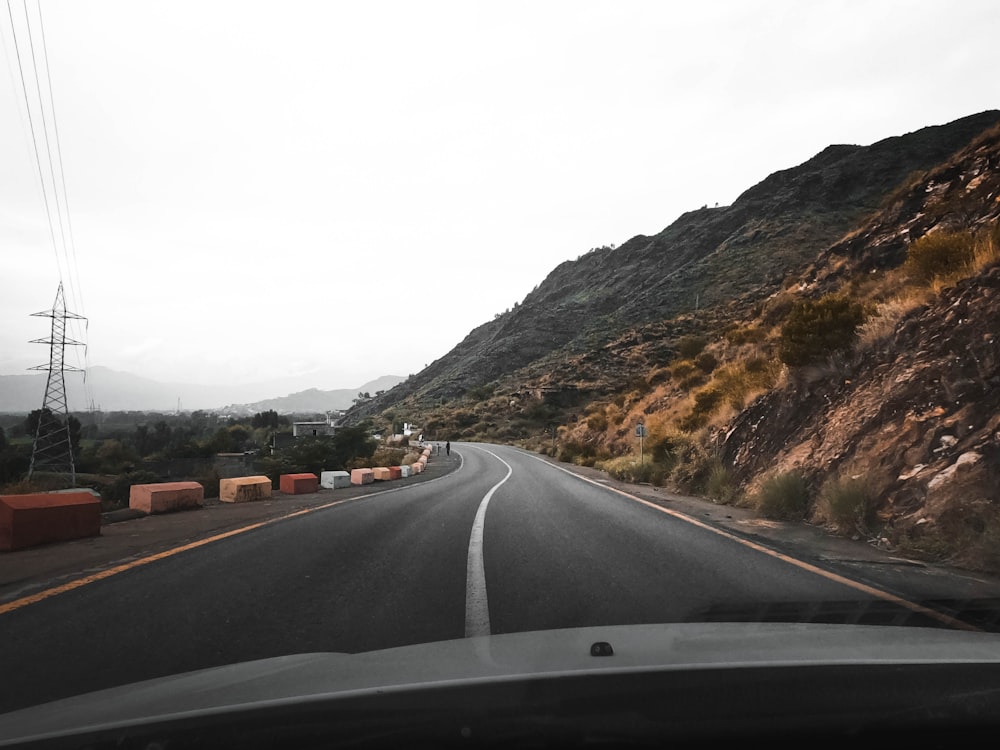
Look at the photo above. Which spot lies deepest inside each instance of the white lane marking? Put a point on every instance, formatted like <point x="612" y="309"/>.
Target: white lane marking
<point x="477" y="606"/>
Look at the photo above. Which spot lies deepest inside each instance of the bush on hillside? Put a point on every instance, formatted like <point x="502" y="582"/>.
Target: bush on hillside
<point x="783" y="496"/>
<point x="846" y="504"/>
<point x="940" y="255"/>
<point x="691" y="346"/>
<point x="818" y="328"/>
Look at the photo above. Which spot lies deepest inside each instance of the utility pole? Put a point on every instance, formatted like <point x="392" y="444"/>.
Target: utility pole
<point x="52" y="449"/>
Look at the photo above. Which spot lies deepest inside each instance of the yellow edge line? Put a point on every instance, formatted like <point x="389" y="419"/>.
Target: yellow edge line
<point x="857" y="585"/>
<point x="77" y="583"/>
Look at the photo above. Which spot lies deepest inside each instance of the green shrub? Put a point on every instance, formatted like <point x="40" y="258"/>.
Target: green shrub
<point x="597" y="422"/>
<point x="691" y="381"/>
<point x="682" y="368"/>
<point x="719" y="483"/>
<point x="745" y="335"/>
<point x="709" y="398"/>
<point x="691" y="465"/>
<point x="783" y="496"/>
<point x="691" y="346"/>
<point x="706" y="402"/>
<point x="631" y="469"/>
<point x="658" y="375"/>
<point x="846" y="504"/>
<point x="706" y="362"/>
<point x="940" y="255"/>
<point x="572" y="451"/>
<point x="818" y="328"/>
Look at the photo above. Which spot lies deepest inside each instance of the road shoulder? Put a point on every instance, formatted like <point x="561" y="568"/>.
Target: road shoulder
<point x="125" y="538"/>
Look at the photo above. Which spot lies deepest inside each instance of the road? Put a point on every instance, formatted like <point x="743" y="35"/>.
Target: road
<point x="506" y="543"/>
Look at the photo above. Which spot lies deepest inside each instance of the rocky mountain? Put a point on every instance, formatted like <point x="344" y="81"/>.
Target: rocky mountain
<point x="822" y="349"/>
<point x="706" y="258"/>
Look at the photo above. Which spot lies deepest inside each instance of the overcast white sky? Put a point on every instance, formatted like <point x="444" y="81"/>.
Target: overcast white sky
<point x="263" y="189"/>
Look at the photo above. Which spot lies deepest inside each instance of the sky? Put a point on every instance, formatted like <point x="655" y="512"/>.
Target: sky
<point x="240" y="191"/>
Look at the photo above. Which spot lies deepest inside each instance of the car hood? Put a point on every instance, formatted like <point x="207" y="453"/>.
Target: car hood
<point x="472" y="661"/>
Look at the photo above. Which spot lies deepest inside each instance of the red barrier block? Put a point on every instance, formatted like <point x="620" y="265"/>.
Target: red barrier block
<point x="27" y="520"/>
<point x="163" y="497"/>
<point x="395" y="472"/>
<point x="298" y="484"/>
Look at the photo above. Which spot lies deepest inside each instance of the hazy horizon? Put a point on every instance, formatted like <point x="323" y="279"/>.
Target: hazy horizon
<point x="352" y="188"/>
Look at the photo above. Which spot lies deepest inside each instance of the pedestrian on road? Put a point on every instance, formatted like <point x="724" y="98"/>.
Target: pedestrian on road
<point x="447" y="447"/>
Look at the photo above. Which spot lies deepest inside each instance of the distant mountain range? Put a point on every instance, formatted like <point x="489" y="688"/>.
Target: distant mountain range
<point x="112" y="390"/>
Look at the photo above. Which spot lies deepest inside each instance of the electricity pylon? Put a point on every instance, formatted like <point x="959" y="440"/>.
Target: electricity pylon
<point x="52" y="449"/>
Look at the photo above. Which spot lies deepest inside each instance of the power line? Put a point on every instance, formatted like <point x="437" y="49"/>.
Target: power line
<point x="57" y="183"/>
<point x="34" y="140"/>
<point x="48" y="151"/>
<point x="73" y="265"/>
<point x="62" y="171"/>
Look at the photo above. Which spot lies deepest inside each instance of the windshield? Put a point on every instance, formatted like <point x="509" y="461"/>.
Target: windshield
<point x="377" y="325"/>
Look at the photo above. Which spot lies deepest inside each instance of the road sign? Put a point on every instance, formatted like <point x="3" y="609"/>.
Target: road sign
<point x="640" y="431"/>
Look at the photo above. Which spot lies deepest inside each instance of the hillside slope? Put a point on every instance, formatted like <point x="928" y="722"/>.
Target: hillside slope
<point x="824" y="349"/>
<point x="705" y="258"/>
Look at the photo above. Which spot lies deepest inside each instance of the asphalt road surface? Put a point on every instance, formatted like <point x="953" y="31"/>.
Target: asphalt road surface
<point x="506" y="543"/>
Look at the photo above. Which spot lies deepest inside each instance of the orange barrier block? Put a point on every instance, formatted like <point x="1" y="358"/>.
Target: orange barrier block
<point x="395" y="472"/>
<point x="362" y="476"/>
<point x="298" y="484"/>
<point x="163" y="497"/>
<point x="381" y="474"/>
<point x="426" y="452"/>
<point x="417" y="467"/>
<point x="27" y="520"/>
<point x="244" y="489"/>
<point x="422" y="460"/>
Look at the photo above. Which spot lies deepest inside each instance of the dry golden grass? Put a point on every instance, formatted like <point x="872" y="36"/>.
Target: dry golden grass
<point x="883" y="322"/>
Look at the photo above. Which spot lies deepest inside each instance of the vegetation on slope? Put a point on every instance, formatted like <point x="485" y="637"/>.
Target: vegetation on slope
<point x="854" y="386"/>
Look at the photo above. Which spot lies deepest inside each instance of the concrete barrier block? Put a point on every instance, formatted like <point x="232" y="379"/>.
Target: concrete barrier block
<point x="417" y="467"/>
<point x="395" y="472"/>
<point x="362" y="476"/>
<point x="163" y="497"/>
<point x="244" y="489"/>
<point x="405" y="471"/>
<point x="39" y="518"/>
<point x="298" y="484"/>
<point x="335" y="480"/>
<point x="381" y="473"/>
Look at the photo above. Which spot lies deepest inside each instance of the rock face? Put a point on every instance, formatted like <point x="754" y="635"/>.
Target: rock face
<point x="917" y="413"/>
<point x="708" y="257"/>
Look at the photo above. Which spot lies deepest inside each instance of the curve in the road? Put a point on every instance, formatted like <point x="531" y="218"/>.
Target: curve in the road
<point x="477" y="608"/>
